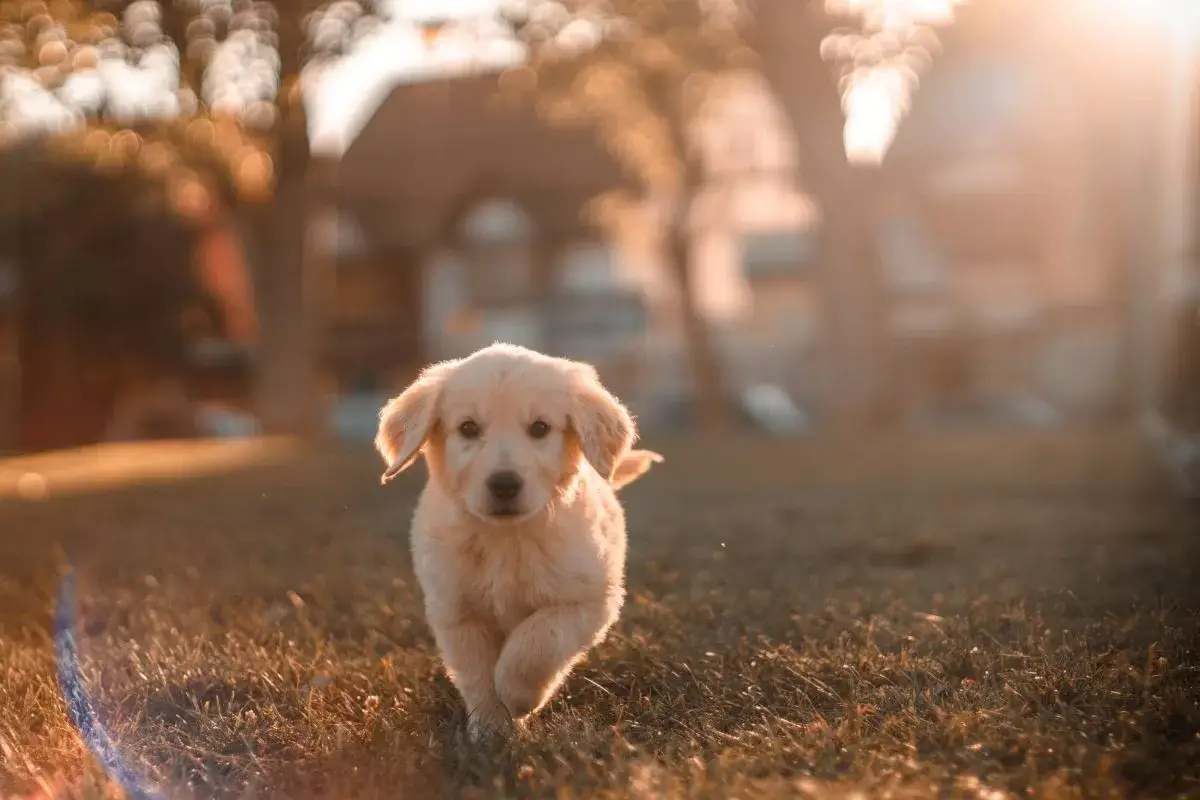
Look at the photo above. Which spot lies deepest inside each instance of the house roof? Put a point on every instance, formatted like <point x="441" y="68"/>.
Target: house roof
<point x="432" y="149"/>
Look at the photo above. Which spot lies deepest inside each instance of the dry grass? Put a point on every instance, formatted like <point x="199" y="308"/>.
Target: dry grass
<point x="971" y="616"/>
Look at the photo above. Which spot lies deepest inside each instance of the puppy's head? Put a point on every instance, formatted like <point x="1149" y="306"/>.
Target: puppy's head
<point x="506" y="430"/>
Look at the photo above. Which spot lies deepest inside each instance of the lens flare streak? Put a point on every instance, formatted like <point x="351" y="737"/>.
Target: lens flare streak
<point x="79" y="705"/>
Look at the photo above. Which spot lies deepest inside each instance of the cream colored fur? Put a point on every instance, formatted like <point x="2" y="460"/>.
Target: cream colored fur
<point x="515" y="602"/>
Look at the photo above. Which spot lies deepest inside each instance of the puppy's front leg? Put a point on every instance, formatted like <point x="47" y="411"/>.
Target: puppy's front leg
<point x="540" y="652"/>
<point x="470" y="650"/>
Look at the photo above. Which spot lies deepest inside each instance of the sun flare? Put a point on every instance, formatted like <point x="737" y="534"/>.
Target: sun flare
<point x="1178" y="15"/>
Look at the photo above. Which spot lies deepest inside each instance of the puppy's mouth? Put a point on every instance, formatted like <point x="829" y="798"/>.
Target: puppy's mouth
<point x="507" y="513"/>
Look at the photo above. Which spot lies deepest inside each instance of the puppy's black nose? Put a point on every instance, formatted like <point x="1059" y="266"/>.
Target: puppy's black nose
<point x="504" y="485"/>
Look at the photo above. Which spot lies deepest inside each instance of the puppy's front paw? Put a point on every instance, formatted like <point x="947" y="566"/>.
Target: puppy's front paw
<point x="520" y="695"/>
<point x="521" y="701"/>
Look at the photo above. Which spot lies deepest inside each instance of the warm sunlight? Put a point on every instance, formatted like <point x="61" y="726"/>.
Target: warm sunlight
<point x="1182" y="13"/>
<point x="878" y="89"/>
<point x="115" y="465"/>
<point x="874" y="106"/>
<point x="1153" y="18"/>
<point x="880" y="68"/>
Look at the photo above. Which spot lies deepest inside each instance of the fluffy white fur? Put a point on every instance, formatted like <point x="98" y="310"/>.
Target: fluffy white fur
<point x="516" y="591"/>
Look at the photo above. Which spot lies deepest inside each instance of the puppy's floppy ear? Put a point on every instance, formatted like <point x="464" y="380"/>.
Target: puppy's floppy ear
<point x="605" y="429"/>
<point x="407" y="420"/>
<point x="633" y="466"/>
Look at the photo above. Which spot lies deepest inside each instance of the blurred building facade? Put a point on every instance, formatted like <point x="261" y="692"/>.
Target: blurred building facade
<point x="1002" y="294"/>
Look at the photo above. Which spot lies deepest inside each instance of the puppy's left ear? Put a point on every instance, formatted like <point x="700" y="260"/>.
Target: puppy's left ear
<point x="407" y="420"/>
<point x="633" y="466"/>
<point x="605" y="428"/>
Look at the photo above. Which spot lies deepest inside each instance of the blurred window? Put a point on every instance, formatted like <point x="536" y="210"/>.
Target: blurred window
<point x="340" y="236"/>
<point x="594" y="324"/>
<point x="910" y="259"/>
<point x="588" y="267"/>
<point x="498" y="237"/>
<point x="777" y="252"/>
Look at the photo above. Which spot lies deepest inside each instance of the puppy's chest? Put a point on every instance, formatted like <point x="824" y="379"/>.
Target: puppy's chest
<point x="513" y="576"/>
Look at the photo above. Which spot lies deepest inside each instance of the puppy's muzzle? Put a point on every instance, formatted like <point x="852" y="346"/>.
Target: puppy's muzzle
<point x="505" y="487"/>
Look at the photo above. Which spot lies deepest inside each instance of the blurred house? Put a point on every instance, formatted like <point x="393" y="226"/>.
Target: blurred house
<point x="1000" y="239"/>
<point x="474" y="226"/>
<point x="448" y="233"/>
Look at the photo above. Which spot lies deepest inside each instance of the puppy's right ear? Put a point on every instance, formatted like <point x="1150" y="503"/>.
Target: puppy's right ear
<point x="407" y="420"/>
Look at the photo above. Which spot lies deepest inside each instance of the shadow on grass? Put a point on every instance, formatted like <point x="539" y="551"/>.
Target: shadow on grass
<point x="284" y="747"/>
<point x="214" y="737"/>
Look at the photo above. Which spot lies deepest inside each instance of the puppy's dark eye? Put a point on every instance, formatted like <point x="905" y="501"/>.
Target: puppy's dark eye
<point x="539" y="429"/>
<point x="469" y="429"/>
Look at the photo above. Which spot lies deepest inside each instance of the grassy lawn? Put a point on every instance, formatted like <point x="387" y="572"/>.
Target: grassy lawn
<point x="971" y="616"/>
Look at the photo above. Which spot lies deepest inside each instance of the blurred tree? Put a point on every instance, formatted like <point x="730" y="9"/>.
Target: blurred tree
<point x="212" y="87"/>
<point x="642" y="73"/>
<point x="845" y="72"/>
<point x="108" y="296"/>
<point x="793" y="36"/>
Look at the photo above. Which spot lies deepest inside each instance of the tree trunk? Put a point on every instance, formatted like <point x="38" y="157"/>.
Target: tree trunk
<point x="711" y="401"/>
<point x="788" y="36"/>
<point x="854" y="306"/>
<point x="406" y="287"/>
<point x="1173" y="293"/>
<point x="288" y="396"/>
<point x="289" y="288"/>
<point x="10" y="386"/>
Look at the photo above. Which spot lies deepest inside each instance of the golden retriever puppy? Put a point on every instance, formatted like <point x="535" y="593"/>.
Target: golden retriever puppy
<point x="518" y="539"/>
